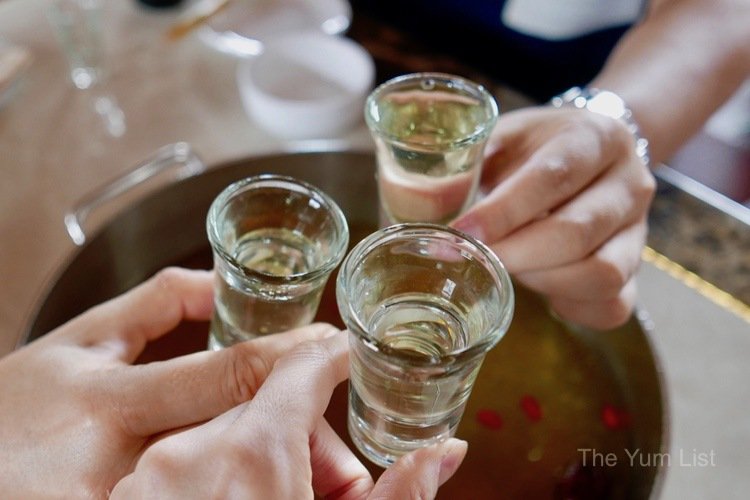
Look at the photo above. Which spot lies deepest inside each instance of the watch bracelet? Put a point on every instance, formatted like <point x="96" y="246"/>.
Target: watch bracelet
<point x="579" y="97"/>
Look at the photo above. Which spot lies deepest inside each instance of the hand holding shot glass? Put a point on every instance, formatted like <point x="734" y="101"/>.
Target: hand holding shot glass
<point x="275" y="242"/>
<point x="423" y="304"/>
<point x="430" y="130"/>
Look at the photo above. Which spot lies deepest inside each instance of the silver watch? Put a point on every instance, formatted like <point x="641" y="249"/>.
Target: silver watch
<point x="607" y="103"/>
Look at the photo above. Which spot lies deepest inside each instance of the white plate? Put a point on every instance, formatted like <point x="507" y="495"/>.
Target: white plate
<point x="242" y="27"/>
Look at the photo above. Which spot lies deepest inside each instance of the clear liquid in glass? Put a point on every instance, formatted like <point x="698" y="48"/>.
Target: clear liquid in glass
<point x="430" y="150"/>
<point x="260" y="307"/>
<point x="397" y="407"/>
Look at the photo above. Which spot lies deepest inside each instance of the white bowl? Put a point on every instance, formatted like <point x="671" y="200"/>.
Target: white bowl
<point x="306" y="85"/>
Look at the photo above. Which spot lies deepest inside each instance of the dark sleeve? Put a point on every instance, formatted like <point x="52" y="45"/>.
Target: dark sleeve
<point x="472" y="31"/>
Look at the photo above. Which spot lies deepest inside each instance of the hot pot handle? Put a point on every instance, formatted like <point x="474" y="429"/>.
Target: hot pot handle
<point x="179" y="155"/>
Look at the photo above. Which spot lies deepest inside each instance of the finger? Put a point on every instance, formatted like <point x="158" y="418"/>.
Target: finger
<point x="125" y="324"/>
<point x="559" y="169"/>
<point x="298" y="390"/>
<point x="419" y="474"/>
<point x="597" y="314"/>
<point x="576" y="229"/>
<point x="164" y="395"/>
<point x="600" y="276"/>
<point x="337" y="473"/>
<point x="510" y="144"/>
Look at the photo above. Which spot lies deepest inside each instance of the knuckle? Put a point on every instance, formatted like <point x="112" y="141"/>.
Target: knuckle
<point x="557" y="172"/>
<point x="241" y="453"/>
<point x="160" y="460"/>
<point x="616" y="312"/>
<point x="417" y="492"/>
<point x="607" y="137"/>
<point x="130" y="417"/>
<point x="600" y="130"/>
<point x="418" y="489"/>
<point x="581" y="232"/>
<point x="106" y="400"/>
<point x="167" y="278"/>
<point x="409" y="463"/>
<point x="617" y="129"/>
<point x="247" y="369"/>
<point x="646" y="187"/>
<point x="612" y="278"/>
<point x="121" y="406"/>
<point x="496" y="216"/>
<point x="614" y="133"/>
<point x="313" y="352"/>
<point x="318" y="360"/>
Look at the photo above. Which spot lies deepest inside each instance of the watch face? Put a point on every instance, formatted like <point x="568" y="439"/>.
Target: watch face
<point x="606" y="103"/>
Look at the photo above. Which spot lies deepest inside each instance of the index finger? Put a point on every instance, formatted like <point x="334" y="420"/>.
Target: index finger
<point x="126" y="323"/>
<point x="299" y="388"/>
<point x="560" y="168"/>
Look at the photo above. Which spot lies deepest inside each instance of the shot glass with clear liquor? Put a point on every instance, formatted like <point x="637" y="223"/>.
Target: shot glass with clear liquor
<point x="275" y="242"/>
<point x="430" y="130"/>
<point x="423" y="304"/>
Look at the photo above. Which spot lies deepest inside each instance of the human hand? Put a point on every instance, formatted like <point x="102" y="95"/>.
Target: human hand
<point x="279" y="446"/>
<point x="566" y="210"/>
<point x="75" y="414"/>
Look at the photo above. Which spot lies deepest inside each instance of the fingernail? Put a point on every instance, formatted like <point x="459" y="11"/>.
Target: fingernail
<point x="455" y="451"/>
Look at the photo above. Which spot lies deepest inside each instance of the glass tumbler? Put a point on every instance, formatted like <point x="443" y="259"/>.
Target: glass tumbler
<point x="275" y="242"/>
<point x="423" y="304"/>
<point x="78" y="24"/>
<point x="430" y="130"/>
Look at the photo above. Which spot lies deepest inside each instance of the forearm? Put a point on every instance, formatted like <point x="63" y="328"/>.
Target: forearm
<point x="679" y="66"/>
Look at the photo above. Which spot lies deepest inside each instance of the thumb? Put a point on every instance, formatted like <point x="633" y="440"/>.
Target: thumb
<point x="419" y="474"/>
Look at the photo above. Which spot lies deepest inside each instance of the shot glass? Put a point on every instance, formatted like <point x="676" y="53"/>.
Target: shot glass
<point x="430" y="130"/>
<point x="275" y="242"/>
<point x="423" y="304"/>
<point x="78" y="27"/>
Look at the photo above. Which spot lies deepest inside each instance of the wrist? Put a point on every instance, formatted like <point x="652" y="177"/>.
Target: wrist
<point x="606" y="103"/>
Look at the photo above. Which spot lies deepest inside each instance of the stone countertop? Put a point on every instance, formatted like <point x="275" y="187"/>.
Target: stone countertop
<point x="704" y="232"/>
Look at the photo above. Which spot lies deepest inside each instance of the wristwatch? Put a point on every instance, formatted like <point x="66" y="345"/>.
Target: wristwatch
<point x="607" y="103"/>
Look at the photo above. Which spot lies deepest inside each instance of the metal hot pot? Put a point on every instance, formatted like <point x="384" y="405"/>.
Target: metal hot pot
<point x="549" y="400"/>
